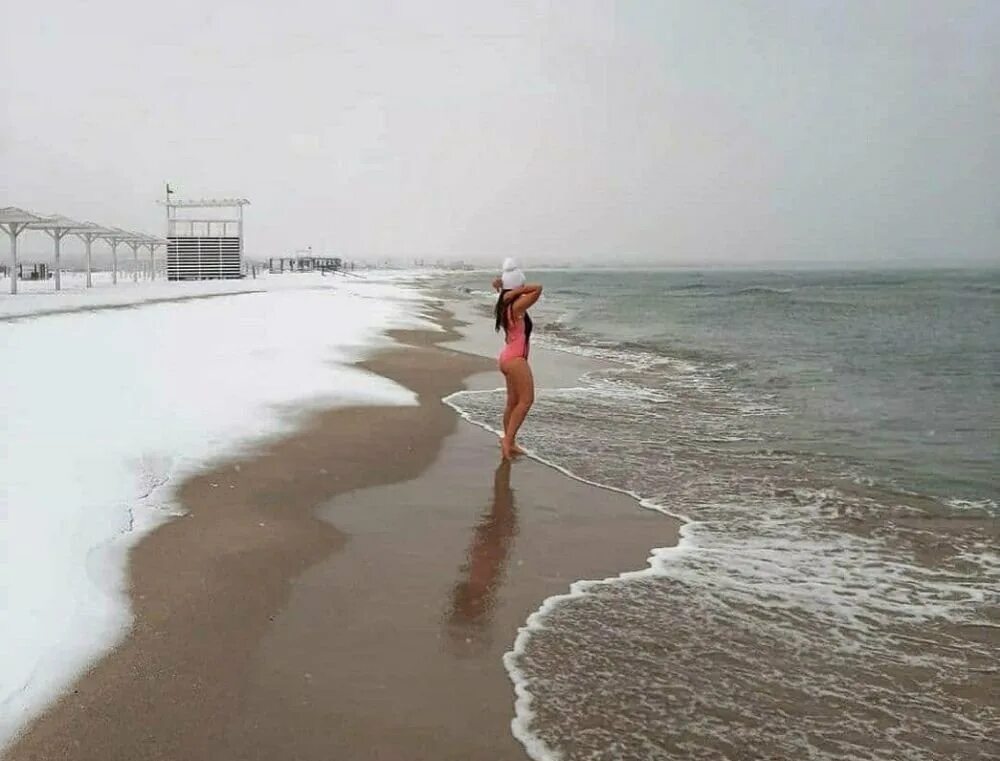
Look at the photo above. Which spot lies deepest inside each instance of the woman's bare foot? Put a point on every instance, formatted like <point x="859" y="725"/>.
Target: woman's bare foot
<point x="514" y="448"/>
<point x="506" y="449"/>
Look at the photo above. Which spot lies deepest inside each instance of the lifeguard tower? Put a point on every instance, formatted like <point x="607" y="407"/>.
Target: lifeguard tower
<point x="204" y="245"/>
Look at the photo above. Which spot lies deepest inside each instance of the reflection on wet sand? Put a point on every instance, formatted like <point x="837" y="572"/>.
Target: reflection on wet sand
<point x="474" y="596"/>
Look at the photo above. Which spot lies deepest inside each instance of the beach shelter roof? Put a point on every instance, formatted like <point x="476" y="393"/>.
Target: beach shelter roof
<point x="91" y="229"/>
<point x="130" y="237"/>
<point x="11" y="215"/>
<point x="116" y="233"/>
<point x="56" y="223"/>
<point x="207" y="203"/>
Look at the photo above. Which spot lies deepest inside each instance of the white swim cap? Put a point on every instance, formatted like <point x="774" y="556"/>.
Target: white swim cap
<point x="513" y="279"/>
<point x="512" y="276"/>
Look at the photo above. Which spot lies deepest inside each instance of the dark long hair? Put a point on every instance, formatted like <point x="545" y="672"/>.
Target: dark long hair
<point x="501" y="311"/>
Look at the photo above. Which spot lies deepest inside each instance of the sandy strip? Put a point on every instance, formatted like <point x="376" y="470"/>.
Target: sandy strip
<point x="19" y="316"/>
<point x="345" y="592"/>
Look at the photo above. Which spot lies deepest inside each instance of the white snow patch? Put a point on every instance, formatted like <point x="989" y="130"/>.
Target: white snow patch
<point x="105" y="411"/>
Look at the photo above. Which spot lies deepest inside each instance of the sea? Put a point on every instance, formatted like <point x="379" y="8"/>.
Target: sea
<point x="831" y="442"/>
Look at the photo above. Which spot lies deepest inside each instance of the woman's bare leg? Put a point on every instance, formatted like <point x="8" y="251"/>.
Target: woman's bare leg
<point x="511" y="401"/>
<point x="518" y="371"/>
<point x="508" y="409"/>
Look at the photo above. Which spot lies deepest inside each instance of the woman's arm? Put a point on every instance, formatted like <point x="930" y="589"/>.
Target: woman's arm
<point x="524" y="297"/>
<point x="515" y="293"/>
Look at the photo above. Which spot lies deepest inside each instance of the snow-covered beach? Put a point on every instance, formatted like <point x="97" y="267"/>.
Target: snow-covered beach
<point x="106" y="408"/>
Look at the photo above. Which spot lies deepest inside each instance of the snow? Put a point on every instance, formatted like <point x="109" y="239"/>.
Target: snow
<point x="36" y="297"/>
<point x="106" y="410"/>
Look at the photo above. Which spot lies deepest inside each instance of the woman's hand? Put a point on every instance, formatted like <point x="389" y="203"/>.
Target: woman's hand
<point x="497" y="283"/>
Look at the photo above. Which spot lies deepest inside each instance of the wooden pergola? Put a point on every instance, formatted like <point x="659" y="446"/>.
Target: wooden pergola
<point x="14" y="221"/>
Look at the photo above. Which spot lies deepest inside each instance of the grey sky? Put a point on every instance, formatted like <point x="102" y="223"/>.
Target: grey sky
<point x="666" y="132"/>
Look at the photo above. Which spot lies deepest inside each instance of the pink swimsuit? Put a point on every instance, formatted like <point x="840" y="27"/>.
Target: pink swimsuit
<point x="517" y="342"/>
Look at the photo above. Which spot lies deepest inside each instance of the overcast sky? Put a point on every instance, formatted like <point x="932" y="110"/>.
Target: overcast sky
<point x="699" y="132"/>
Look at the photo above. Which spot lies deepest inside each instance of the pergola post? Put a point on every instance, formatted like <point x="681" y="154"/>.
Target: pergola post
<point x="58" y="227"/>
<point x="57" y="237"/>
<point x="134" y="245"/>
<point x="114" y="260"/>
<point x="88" y="241"/>
<point x="13" y="221"/>
<point x="115" y="236"/>
<point x="152" y="242"/>
<point x="88" y="235"/>
<point x="13" y="231"/>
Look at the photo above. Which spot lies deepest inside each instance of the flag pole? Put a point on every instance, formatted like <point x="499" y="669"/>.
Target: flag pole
<point x="167" y="206"/>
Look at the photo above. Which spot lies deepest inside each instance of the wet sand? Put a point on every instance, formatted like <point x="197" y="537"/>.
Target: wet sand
<point x="345" y="592"/>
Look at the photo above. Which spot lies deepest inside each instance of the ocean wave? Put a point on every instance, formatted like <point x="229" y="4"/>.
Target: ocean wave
<point x="805" y="587"/>
<point x="476" y="292"/>
<point x="785" y="590"/>
<point x="690" y="287"/>
<point x="983" y="505"/>
<point x="760" y="290"/>
<point x="700" y="291"/>
<point x="981" y="288"/>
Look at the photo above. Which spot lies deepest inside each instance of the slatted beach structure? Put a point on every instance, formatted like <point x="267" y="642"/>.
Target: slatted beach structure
<point x="208" y="246"/>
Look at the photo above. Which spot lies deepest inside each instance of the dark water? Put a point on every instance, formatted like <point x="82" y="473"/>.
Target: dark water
<point x="832" y="439"/>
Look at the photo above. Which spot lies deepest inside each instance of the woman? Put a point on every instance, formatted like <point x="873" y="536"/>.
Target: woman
<point x="516" y="297"/>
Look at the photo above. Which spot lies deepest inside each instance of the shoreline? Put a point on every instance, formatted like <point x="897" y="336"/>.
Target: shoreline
<point x="152" y="398"/>
<point x="200" y="673"/>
